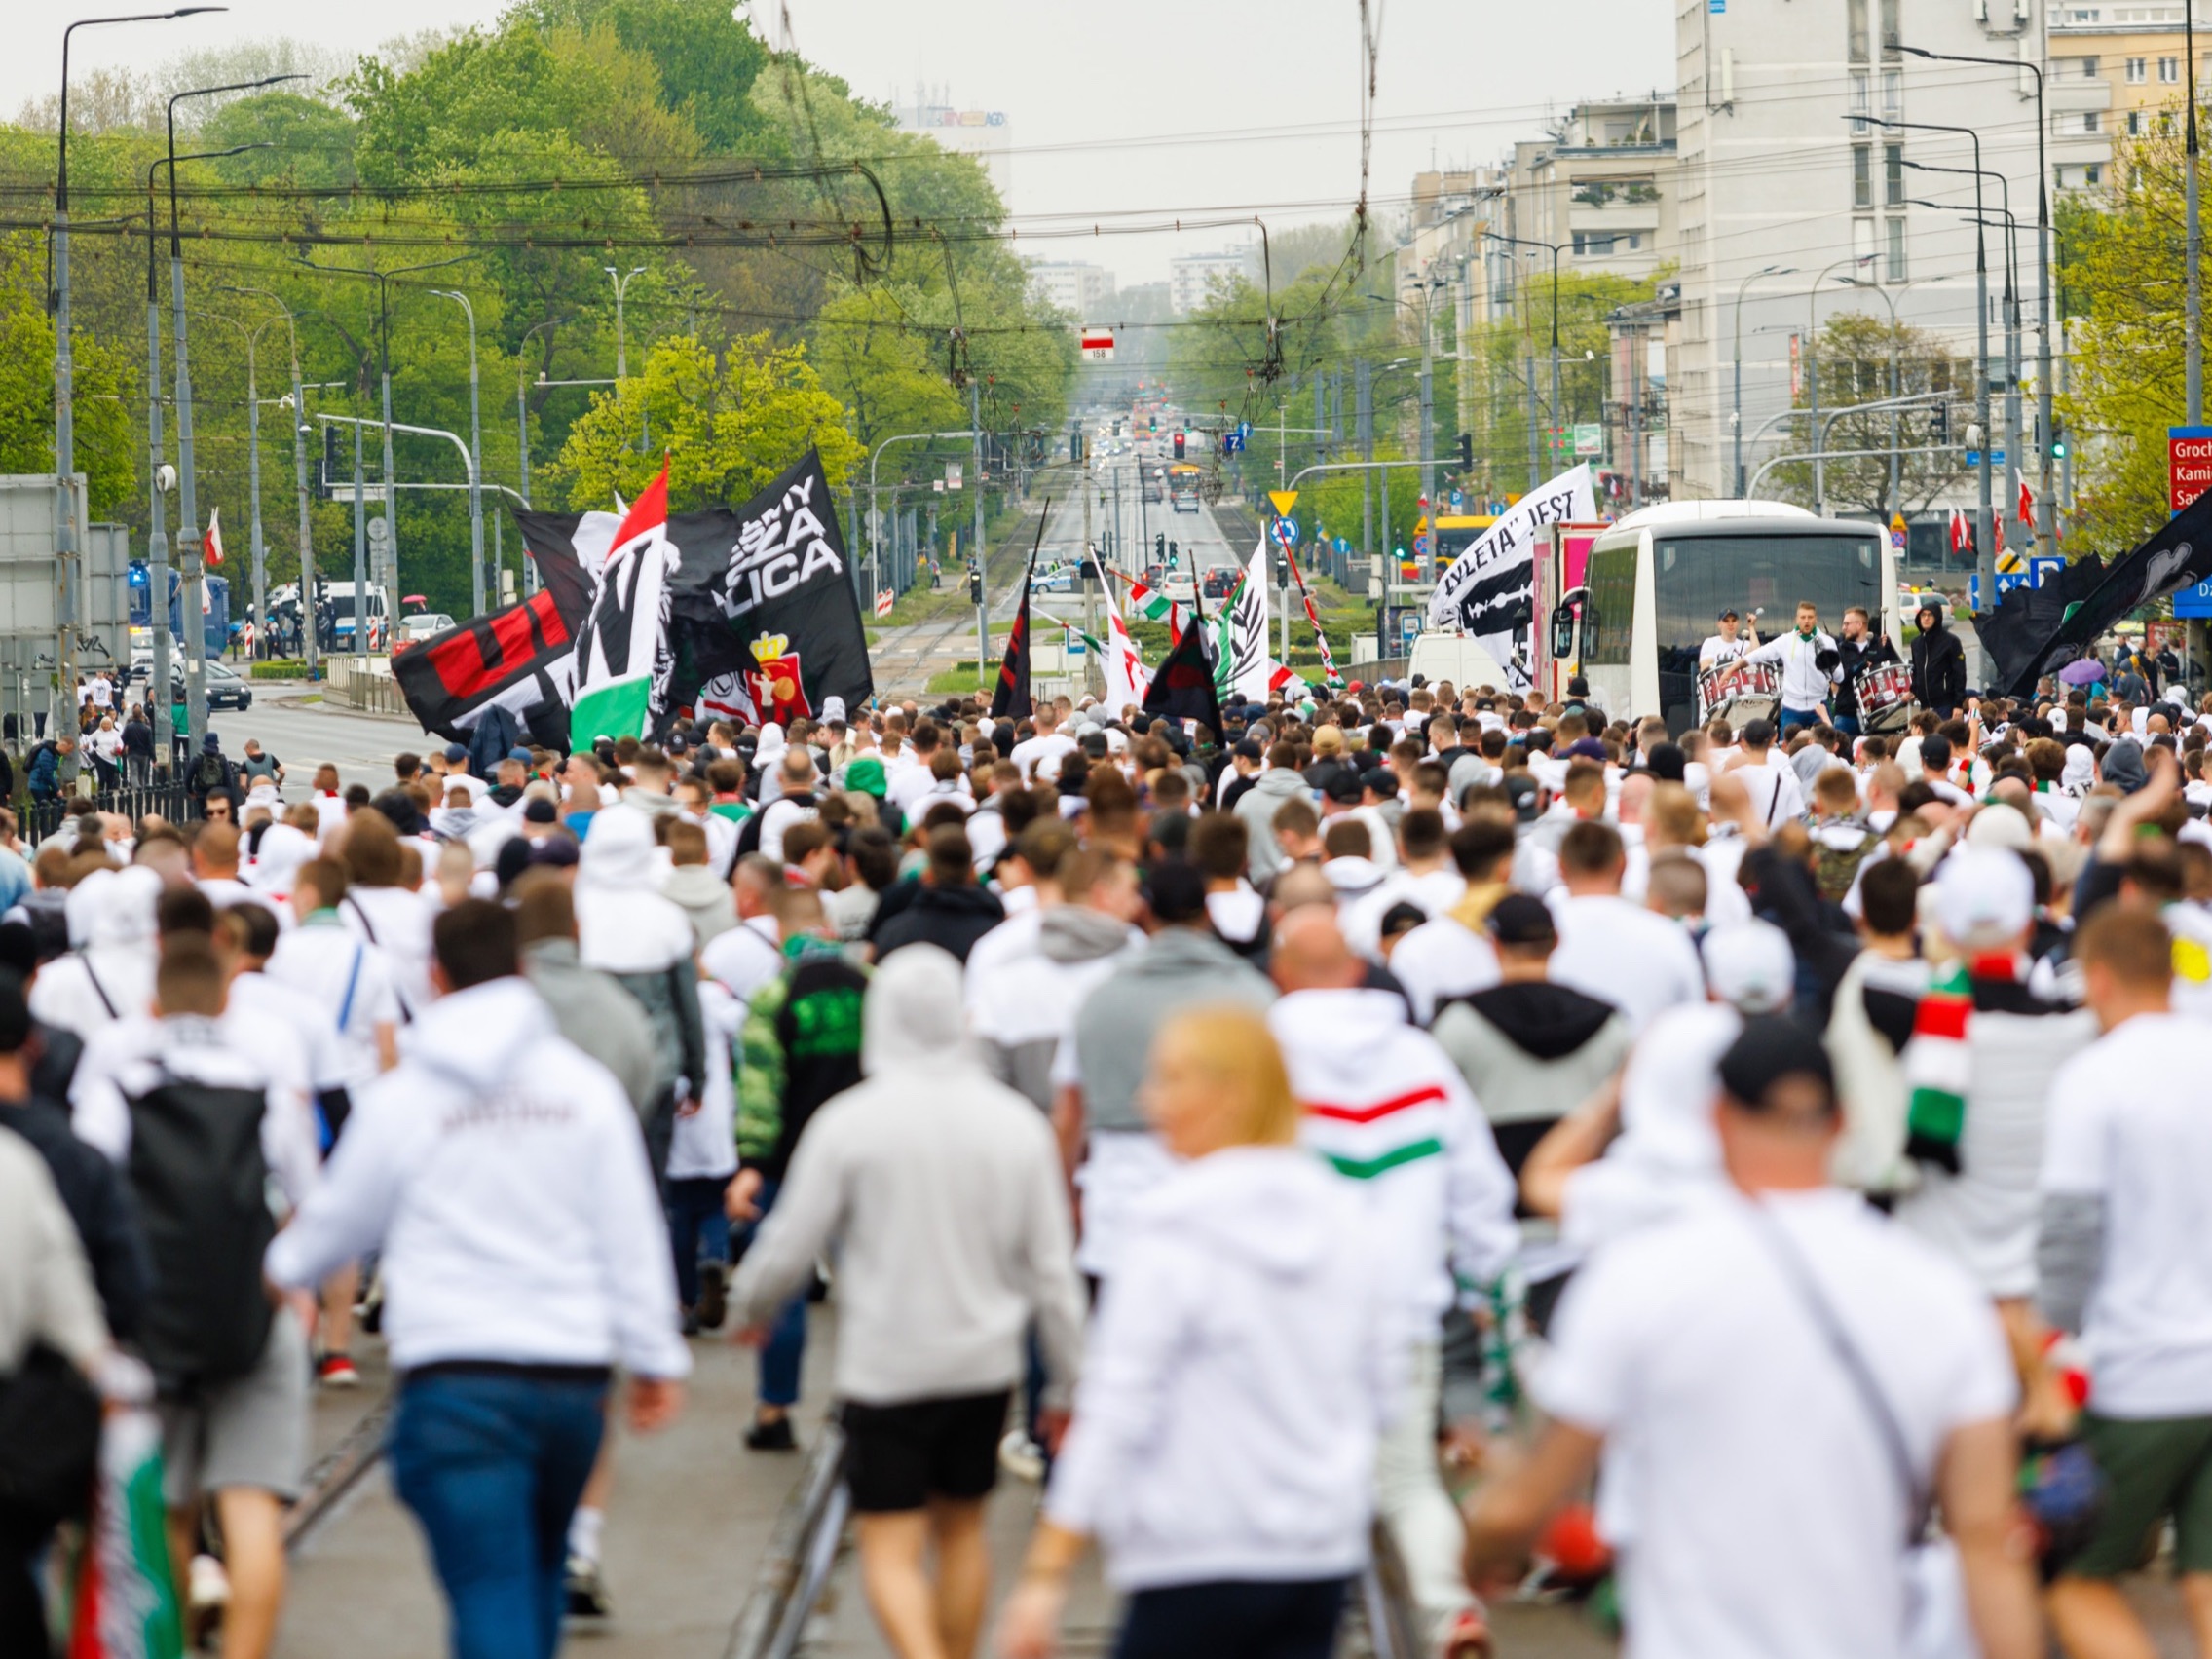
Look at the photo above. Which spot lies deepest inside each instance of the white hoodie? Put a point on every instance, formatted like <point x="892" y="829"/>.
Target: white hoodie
<point x="501" y="1169"/>
<point x="624" y="923"/>
<point x="111" y="977"/>
<point x="1389" y="1110"/>
<point x="1244" y="1359"/>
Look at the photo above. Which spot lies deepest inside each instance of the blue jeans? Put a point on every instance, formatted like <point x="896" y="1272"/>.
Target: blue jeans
<point x="492" y="1466"/>
<point x="785" y="1350"/>
<point x="697" y="1229"/>
<point x="1794" y="720"/>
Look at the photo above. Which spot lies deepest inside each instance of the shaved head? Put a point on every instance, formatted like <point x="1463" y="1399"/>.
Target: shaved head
<point x="1310" y="953"/>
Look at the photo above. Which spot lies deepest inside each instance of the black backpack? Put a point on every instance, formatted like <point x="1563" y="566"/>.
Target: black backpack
<point x="209" y="772"/>
<point x="199" y="1180"/>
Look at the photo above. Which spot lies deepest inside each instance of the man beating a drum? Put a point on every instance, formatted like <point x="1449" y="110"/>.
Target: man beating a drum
<point x="1858" y="650"/>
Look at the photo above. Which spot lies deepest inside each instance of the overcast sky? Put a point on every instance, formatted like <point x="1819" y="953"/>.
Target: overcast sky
<point x="1204" y="109"/>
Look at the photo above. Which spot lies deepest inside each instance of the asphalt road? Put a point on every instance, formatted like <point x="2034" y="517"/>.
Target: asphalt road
<point x="303" y="734"/>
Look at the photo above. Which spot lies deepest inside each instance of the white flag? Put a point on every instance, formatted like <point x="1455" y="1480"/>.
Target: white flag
<point x="1490" y="589"/>
<point x="1126" y="681"/>
<point x="1244" y="635"/>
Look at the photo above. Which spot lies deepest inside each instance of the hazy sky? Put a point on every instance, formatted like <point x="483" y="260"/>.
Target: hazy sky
<point x="1203" y="109"/>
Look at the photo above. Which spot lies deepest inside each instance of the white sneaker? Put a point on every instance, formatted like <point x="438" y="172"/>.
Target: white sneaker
<point x="1020" y="1456"/>
<point x="211" y="1584"/>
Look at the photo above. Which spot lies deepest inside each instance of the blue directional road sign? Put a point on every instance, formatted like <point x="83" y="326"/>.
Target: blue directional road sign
<point x="1343" y="544"/>
<point x="1996" y="457"/>
<point x="1286" y="532"/>
<point x="1244" y="430"/>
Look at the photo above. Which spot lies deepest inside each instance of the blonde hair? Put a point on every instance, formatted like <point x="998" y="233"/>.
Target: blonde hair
<point x="1233" y="1049"/>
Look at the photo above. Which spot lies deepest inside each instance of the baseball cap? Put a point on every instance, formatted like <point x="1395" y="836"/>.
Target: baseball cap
<point x="1518" y="918"/>
<point x="1521" y="790"/>
<point x="1751" y="966"/>
<point x="558" y="850"/>
<point x="1344" y="787"/>
<point x="539" y="812"/>
<point x="866" y="775"/>
<point x="1984" y="895"/>
<point x="1729" y="614"/>
<point x="1769" y="1049"/>
<point x="519" y="754"/>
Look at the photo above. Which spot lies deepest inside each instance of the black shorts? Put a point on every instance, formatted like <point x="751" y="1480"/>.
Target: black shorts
<point x="898" y="1457"/>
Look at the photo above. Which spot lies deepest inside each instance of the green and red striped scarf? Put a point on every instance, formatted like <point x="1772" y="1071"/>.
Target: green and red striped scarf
<point x="1938" y="1062"/>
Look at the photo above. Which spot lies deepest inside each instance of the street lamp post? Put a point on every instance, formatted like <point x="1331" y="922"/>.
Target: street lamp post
<point x="299" y="468"/>
<point x="2046" y="513"/>
<point x="1735" y="418"/>
<point x="475" y="459"/>
<point x="258" y="549"/>
<point x="65" y="371"/>
<point x="1985" y="523"/>
<point x="622" y="282"/>
<point x="875" y="510"/>
<point x="188" y="542"/>
<point x="1558" y="417"/>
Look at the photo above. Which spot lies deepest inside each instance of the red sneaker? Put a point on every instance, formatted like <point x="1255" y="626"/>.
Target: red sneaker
<point x="336" y="1370"/>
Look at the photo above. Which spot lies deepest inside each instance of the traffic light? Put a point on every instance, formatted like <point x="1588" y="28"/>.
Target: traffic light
<point x="1282" y="571"/>
<point x="1939" y="424"/>
<point x="1173" y="553"/>
<point x="1075" y="446"/>
<point x="975" y="586"/>
<point x="329" y="460"/>
<point x="2058" y="444"/>
<point x="1179" y="446"/>
<point x="1160" y="547"/>
<point x="1466" y="452"/>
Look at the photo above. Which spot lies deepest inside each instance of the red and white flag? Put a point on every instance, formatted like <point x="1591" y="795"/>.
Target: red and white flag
<point x="214" y="539"/>
<point x="2027" y="504"/>
<point x="1959" y="536"/>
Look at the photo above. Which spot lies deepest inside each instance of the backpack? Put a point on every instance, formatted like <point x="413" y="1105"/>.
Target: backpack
<point x="198" y="1177"/>
<point x="1835" y="868"/>
<point x="209" y="772"/>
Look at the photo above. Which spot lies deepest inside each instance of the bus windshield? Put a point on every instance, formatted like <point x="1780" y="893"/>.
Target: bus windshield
<point x="1696" y="576"/>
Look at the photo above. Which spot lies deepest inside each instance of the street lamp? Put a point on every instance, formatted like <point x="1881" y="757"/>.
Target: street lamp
<point x="299" y="468"/>
<point x="1736" y="420"/>
<point x="621" y="287"/>
<point x="252" y="336"/>
<point x="188" y="545"/>
<point x="475" y="459"/>
<point x="1985" y="523"/>
<point x="66" y="359"/>
<point x="2046" y="521"/>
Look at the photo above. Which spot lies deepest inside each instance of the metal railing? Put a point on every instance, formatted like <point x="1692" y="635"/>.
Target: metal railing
<point x="171" y="800"/>
<point x="369" y="689"/>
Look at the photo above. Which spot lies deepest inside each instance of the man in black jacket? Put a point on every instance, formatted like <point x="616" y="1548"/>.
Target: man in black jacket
<point x="1858" y="649"/>
<point x="949" y="910"/>
<point x="1938" y="664"/>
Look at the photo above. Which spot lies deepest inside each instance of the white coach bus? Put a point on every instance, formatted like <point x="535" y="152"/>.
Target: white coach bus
<point x="1656" y="582"/>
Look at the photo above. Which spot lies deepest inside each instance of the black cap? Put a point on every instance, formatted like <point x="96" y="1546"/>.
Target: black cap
<point x="1729" y="614"/>
<point x="513" y="858"/>
<point x="1521" y="789"/>
<point x="1519" y="919"/>
<point x="1402" y="918"/>
<point x="1344" y="788"/>
<point x="1249" y="749"/>
<point x="1769" y="1049"/>
<point x="1174" y="892"/>
<point x="540" y="811"/>
<point x="558" y="850"/>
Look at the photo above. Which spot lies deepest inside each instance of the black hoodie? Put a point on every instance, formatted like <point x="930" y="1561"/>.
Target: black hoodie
<point x="1938" y="666"/>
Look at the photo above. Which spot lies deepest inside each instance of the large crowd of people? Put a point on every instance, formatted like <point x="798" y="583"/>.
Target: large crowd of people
<point x="1397" y="1121"/>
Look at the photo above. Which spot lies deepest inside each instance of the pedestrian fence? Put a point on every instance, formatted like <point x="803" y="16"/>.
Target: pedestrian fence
<point x="170" y="801"/>
<point x="802" y="1553"/>
<point x="364" y="684"/>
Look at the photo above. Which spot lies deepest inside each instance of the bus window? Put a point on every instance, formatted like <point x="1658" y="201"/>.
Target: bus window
<point x="1608" y="613"/>
<point x="1699" y="576"/>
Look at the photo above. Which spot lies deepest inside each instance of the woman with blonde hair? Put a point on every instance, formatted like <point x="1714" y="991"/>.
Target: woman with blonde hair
<point x="1235" y="1381"/>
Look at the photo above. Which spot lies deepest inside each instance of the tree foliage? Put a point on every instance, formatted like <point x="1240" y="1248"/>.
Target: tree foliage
<point x="1860" y="358"/>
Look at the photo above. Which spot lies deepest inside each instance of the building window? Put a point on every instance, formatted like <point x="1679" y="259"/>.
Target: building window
<point x="1893" y="94"/>
<point x="2090" y="121"/>
<point x="2092" y="175"/>
<point x="1591" y="241"/>
<point x="1854" y="24"/>
<point x="1861" y="100"/>
<point x="1635" y="241"/>
<point x="1861" y="177"/>
<point x="2134" y="123"/>
<point x="2089" y="68"/>
<point x="1892" y="175"/>
<point x="1896" y="257"/>
<point x="2169" y="71"/>
<point x="2137" y="71"/>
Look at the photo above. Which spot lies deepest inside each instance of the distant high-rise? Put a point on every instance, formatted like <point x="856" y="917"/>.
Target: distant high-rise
<point x="1072" y="285"/>
<point x="983" y="134"/>
<point x="1191" y="275"/>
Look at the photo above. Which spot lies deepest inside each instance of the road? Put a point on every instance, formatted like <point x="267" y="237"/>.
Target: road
<point x="303" y="734"/>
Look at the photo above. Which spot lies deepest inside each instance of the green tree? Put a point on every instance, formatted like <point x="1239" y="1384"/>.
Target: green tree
<point x="1860" y="357"/>
<point x="726" y="427"/>
<point x="102" y="381"/>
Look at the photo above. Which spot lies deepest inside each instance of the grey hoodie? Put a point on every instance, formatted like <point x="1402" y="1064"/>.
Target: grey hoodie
<point x="1258" y="808"/>
<point x="942" y="1192"/>
<point x="1178" y="968"/>
<point x="703" y="897"/>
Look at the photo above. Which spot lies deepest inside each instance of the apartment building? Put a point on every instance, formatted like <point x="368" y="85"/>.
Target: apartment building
<point x="1191" y="275"/>
<point x="1072" y="285"/>
<point x="1805" y="148"/>
<point x="2134" y="54"/>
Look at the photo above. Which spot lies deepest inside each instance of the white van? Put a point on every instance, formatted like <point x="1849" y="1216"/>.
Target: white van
<point x="1455" y="657"/>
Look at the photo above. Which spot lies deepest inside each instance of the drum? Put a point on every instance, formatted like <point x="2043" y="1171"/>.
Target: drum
<point x="1753" y="695"/>
<point x="1885" y="697"/>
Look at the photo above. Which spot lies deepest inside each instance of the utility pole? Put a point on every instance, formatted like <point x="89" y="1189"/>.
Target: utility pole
<point x="1635" y="419"/>
<point x="1428" y="402"/>
<point x="475" y="458"/>
<point x="2192" y="316"/>
<point x="157" y="532"/>
<point x="361" y="550"/>
<point x="975" y="430"/>
<point x="1363" y="420"/>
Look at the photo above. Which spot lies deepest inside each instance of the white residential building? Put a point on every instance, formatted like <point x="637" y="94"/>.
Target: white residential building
<point x="1790" y="187"/>
<point x="1191" y="275"/>
<point x="1072" y="285"/>
<point x="983" y="134"/>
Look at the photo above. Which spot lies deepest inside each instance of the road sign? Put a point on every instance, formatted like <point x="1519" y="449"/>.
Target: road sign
<point x="1232" y="443"/>
<point x="1244" y="429"/>
<point x="1459" y="501"/>
<point x="1343" y="544"/>
<point x="1098" y="345"/>
<point x="379" y="532"/>
<point x="1410" y="628"/>
<point x="1286" y="532"/>
<point x="1589" y="437"/>
<point x="1996" y="457"/>
<point x="951" y="474"/>
<point x="1283" y="501"/>
<point x="2195" y="601"/>
<point x="2188" y="465"/>
<point x="2037" y="570"/>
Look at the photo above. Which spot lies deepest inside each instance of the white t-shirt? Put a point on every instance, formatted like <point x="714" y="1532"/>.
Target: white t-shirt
<point x="396" y="921"/>
<point x="2131" y="1123"/>
<point x="348" y="976"/>
<point x="1717" y="649"/>
<point x="702" y="1143"/>
<point x="1759" y="1511"/>
<point x="1775" y="789"/>
<point x="1039" y="757"/>
<point x="1633" y="958"/>
<point x="777" y="817"/>
<point x="1441" y="960"/>
<point x="744" y="958"/>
